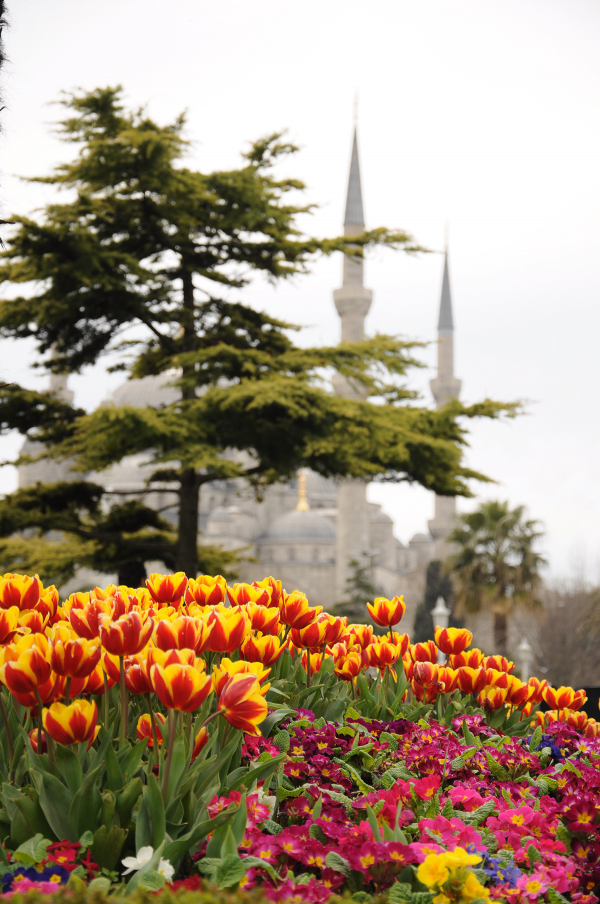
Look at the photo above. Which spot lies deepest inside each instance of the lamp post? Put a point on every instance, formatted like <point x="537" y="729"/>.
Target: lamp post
<point x="441" y="616"/>
<point x="524" y="655"/>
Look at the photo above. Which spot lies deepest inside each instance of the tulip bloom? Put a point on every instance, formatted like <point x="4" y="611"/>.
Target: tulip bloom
<point x="400" y="640"/>
<point x="20" y="591"/>
<point x="52" y="689"/>
<point x="426" y="673"/>
<point x="579" y="699"/>
<point x="240" y="594"/>
<point x="348" y="667"/>
<point x="448" y="678"/>
<point x="127" y="635"/>
<point x="228" y="628"/>
<point x="206" y="591"/>
<point x="84" y="621"/>
<point x="167" y="589"/>
<point x="295" y="612"/>
<point x="496" y="678"/>
<point x="471" y="681"/>
<point x="387" y="613"/>
<point x="500" y="663"/>
<point x="75" y="658"/>
<point x="180" y="687"/>
<point x="262" y="618"/>
<point x="538" y="689"/>
<point x="9" y="620"/>
<point x="559" y="698"/>
<point x="383" y="655"/>
<point x="262" y="648"/>
<point x="592" y="729"/>
<point x="359" y="634"/>
<point x="518" y="693"/>
<point x="316" y="661"/>
<point x="181" y="633"/>
<point x="71" y="724"/>
<point x="423" y="652"/>
<point x="200" y="742"/>
<point x="222" y="674"/>
<point x="472" y="659"/>
<point x="311" y="637"/>
<point x="272" y="585"/>
<point x="491" y="698"/>
<point x="136" y="674"/>
<point x="242" y="703"/>
<point x="31" y="667"/>
<point x="144" y="729"/>
<point x="335" y="627"/>
<point x="452" y="640"/>
<point x="32" y="621"/>
<point x="94" y="683"/>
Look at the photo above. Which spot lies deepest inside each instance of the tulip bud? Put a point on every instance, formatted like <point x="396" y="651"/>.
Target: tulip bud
<point x="452" y="640"/>
<point x="387" y="613"/>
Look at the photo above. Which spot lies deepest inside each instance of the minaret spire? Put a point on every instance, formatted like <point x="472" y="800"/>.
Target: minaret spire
<point x="444" y="387"/>
<point x="352" y="302"/>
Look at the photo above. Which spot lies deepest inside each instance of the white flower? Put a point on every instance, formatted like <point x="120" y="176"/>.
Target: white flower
<point x="267" y="800"/>
<point x="166" y="870"/>
<point x="134" y="863"/>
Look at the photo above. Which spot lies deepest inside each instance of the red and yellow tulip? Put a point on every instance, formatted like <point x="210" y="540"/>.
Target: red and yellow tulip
<point x="295" y="611"/>
<point x="127" y="635"/>
<point x="206" y="591"/>
<point x="75" y="658"/>
<point x="264" y="648"/>
<point x="242" y="703"/>
<point x="167" y="589"/>
<point x="228" y="628"/>
<point x="452" y="640"/>
<point x="387" y="613"/>
<point x="180" y="687"/>
<point x="144" y="729"/>
<point x="73" y="724"/>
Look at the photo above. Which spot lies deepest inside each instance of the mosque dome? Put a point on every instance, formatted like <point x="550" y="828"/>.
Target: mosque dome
<point x="148" y="392"/>
<point x="419" y="538"/>
<point x="299" y="527"/>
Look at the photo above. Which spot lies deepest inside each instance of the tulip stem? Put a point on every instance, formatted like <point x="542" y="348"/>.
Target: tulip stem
<point x="106" y="702"/>
<point x="188" y="728"/>
<point x="308" y="668"/>
<point x="49" y="746"/>
<point x="210" y="718"/>
<point x="9" y="741"/>
<point x="171" y="723"/>
<point x="68" y="691"/>
<point x="153" y="724"/>
<point x="387" y="685"/>
<point x="124" y="705"/>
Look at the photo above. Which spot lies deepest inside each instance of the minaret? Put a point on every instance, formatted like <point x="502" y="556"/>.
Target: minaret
<point x="352" y="302"/>
<point x="444" y="387"/>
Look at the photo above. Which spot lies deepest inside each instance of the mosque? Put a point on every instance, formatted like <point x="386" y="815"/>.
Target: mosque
<point x="307" y="532"/>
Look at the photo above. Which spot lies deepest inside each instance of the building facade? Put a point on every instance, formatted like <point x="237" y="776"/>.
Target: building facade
<point x="310" y="532"/>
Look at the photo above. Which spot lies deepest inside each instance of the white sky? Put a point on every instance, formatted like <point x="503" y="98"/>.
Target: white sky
<point x="479" y="113"/>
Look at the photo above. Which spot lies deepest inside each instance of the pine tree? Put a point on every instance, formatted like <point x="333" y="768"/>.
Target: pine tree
<point x="145" y="258"/>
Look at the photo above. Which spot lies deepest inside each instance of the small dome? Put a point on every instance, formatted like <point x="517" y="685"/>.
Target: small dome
<point x="149" y="392"/>
<point x="300" y="527"/>
<point x="379" y="515"/>
<point x="419" y="538"/>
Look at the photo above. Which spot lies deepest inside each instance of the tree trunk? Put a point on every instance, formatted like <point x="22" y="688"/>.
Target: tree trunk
<point x="187" y="543"/>
<point x="500" y="633"/>
<point x="189" y="503"/>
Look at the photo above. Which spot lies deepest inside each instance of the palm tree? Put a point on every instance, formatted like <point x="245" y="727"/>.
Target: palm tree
<point x="496" y="564"/>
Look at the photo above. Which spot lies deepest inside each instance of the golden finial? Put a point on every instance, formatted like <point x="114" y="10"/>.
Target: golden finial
<point x="302" y="504"/>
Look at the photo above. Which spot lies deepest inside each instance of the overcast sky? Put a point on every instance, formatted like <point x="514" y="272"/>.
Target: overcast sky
<point x="481" y="114"/>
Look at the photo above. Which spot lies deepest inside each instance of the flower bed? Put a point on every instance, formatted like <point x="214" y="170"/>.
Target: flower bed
<point x="195" y="736"/>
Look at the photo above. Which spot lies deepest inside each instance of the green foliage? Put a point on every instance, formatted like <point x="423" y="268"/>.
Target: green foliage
<point x="497" y="563"/>
<point x="146" y="243"/>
